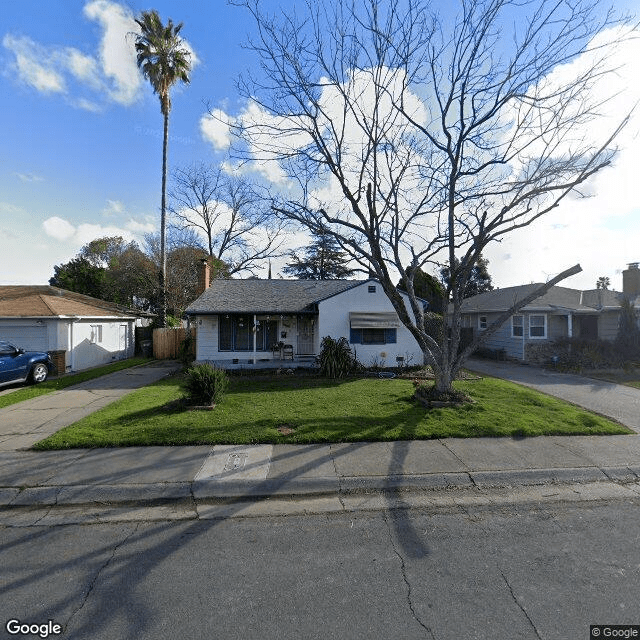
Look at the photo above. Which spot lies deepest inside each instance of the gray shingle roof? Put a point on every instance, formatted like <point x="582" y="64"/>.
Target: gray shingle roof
<point x="556" y="298"/>
<point x="267" y="296"/>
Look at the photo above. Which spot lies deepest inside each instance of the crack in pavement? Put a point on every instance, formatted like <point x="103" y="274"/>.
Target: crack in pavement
<point x="403" y="570"/>
<point x="99" y="572"/>
<point x="339" y="477"/>
<point x="524" y="611"/>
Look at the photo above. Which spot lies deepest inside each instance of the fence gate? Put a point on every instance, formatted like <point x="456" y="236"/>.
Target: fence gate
<point x="167" y="342"/>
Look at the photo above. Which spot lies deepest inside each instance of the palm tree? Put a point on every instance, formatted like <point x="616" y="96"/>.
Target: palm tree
<point x="163" y="60"/>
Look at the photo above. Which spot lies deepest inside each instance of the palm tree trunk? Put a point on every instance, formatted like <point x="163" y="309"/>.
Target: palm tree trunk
<point x="163" y="226"/>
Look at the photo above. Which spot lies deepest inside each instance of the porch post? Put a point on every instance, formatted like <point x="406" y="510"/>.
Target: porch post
<point x="255" y="331"/>
<point x="570" y="325"/>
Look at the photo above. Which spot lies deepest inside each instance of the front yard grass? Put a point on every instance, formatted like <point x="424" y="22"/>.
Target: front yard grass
<point x="67" y="380"/>
<point x="310" y="409"/>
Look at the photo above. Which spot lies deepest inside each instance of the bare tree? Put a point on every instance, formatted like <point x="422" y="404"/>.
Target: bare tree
<point x="237" y="223"/>
<point x="417" y="142"/>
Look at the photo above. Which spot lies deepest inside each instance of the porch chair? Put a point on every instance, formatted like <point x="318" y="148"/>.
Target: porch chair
<point x="287" y="351"/>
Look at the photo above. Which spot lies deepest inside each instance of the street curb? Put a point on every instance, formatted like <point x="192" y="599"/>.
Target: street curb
<point x="216" y="491"/>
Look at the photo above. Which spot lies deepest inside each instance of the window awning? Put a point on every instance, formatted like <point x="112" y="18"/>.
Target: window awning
<point x="373" y="320"/>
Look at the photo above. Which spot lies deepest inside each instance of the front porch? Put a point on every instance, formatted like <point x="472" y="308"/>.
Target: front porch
<point x="260" y="362"/>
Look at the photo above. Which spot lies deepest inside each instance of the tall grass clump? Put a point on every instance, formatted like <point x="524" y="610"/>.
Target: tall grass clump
<point x="336" y="358"/>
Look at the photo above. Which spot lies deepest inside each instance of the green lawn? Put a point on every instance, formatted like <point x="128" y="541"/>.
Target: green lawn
<point x="320" y="410"/>
<point x="55" y="384"/>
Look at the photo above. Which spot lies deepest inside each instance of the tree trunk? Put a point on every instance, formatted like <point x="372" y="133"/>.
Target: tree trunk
<point x="163" y="226"/>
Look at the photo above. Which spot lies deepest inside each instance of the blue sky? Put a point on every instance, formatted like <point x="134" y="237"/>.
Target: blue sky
<point x="80" y="151"/>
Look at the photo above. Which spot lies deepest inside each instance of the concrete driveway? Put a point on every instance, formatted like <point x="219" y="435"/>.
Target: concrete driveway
<point x="25" y="423"/>
<point x="614" y="401"/>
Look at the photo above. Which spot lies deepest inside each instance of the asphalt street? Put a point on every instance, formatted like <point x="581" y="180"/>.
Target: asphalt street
<point x="525" y="572"/>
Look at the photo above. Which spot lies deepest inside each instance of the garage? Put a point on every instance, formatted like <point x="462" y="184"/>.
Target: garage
<point x="29" y="338"/>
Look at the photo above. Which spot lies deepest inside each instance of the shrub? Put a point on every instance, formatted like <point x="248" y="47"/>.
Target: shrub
<point x="336" y="358"/>
<point x="628" y="339"/>
<point x="575" y="354"/>
<point x="205" y="384"/>
<point x="187" y="349"/>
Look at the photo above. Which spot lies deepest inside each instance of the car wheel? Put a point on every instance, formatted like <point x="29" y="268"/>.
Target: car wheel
<point x="39" y="373"/>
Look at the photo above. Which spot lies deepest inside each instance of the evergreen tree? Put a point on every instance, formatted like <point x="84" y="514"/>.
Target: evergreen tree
<point x="628" y="338"/>
<point x="80" y="275"/>
<point x="479" y="279"/>
<point x="428" y="288"/>
<point x="323" y="259"/>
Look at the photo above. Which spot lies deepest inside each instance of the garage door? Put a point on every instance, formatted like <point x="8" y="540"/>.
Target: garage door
<point x="28" y="338"/>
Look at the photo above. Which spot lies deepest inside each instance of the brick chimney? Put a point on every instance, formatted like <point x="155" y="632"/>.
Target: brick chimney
<point x="204" y="278"/>
<point x="631" y="280"/>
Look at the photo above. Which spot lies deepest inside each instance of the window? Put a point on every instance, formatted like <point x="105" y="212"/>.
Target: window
<point x="372" y="288"/>
<point x="235" y="333"/>
<point x="517" y="326"/>
<point x="537" y="326"/>
<point x="482" y="322"/>
<point x="373" y="336"/>
<point x="96" y="333"/>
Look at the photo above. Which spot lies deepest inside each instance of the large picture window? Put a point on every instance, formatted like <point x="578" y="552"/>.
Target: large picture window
<point x="235" y="333"/>
<point x="371" y="327"/>
<point x="373" y="336"/>
<point x="537" y="326"/>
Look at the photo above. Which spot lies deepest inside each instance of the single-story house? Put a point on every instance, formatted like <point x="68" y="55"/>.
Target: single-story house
<point x="247" y="322"/>
<point x="88" y="331"/>
<point x="561" y="312"/>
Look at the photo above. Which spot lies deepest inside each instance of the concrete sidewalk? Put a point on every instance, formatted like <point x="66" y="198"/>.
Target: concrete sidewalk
<point x="194" y="480"/>
<point x="148" y="475"/>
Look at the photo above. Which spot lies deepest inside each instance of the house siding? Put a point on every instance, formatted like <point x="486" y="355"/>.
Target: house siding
<point x="333" y="321"/>
<point x="115" y="343"/>
<point x="502" y="338"/>
<point x="608" y="322"/>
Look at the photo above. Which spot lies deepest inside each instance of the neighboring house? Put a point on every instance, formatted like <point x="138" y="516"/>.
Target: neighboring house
<point x="560" y="312"/>
<point x="239" y="321"/>
<point x="89" y="331"/>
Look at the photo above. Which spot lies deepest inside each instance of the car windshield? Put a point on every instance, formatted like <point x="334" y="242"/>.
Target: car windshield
<point x="7" y="347"/>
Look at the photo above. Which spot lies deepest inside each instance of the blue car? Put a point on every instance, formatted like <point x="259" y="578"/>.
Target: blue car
<point x="18" y="365"/>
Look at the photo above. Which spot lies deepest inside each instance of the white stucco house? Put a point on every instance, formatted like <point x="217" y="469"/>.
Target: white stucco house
<point x="250" y="322"/>
<point x="89" y="331"/>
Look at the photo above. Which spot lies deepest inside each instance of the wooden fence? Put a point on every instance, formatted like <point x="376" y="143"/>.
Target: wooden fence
<point x="167" y="343"/>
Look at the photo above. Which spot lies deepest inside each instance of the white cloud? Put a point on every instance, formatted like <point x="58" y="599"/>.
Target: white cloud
<point x="28" y="177"/>
<point x="215" y="129"/>
<point x="34" y="65"/>
<point x="114" y="207"/>
<point x="58" y="228"/>
<point x="117" y="53"/>
<point x="112" y="75"/>
<point x="77" y="236"/>
<point x="139" y="228"/>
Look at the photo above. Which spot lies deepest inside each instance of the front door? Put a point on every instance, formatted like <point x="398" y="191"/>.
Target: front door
<point x="306" y="340"/>
<point x="589" y="327"/>
<point x="123" y="340"/>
